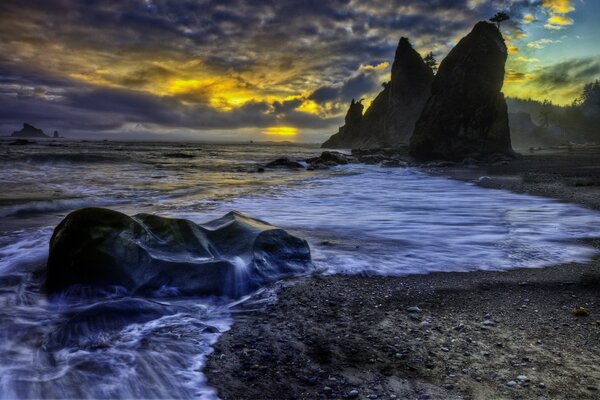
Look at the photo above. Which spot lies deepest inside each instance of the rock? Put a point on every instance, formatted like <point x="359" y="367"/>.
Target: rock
<point x="390" y="119"/>
<point x="580" y="312"/>
<point x="29" y="131"/>
<point x="522" y="378"/>
<point x="178" y="155"/>
<point x="393" y="163"/>
<point x="152" y="255"/>
<point x="284" y="163"/>
<point x="541" y="385"/>
<point x="511" y="383"/>
<point x="353" y="394"/>
<point x="328" y="159"/>
<point x="466" y="114"/>
<point x="21" y="142"/>
<point x="488" y="322"/>
<point x="413" y="310"/>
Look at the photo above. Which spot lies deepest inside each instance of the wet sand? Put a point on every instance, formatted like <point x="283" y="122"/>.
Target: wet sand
<point x="480" y="335"/>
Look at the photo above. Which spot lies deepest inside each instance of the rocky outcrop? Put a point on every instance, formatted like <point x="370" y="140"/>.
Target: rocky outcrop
<point x="151" y="255"/>
<point x="466" y="114"/>
<point x="284" y="163"/>
<point x="29" y="131"/>
<point x="350" y="133"/>
<point x="390" y="119"/>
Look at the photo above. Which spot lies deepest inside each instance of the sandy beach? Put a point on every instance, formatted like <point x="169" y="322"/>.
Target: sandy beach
<point x="526" y="333"/>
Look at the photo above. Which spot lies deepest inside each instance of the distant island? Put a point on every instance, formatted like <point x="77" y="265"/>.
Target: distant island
<point x="30" y="131"/>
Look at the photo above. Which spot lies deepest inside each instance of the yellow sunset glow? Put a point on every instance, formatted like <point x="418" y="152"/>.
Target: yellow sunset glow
<point x="287" y="131"/>
<point x="309" y="106"/>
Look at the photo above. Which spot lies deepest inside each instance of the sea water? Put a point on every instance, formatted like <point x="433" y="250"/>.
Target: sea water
<point x="358" y="220"/>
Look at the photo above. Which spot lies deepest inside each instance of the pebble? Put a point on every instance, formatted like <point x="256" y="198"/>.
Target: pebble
<point x="522" y="378"/>
<point x="541" y="385"/>
<point x="353" y="394"/>
<point x="488" y="322"/>
<point x="425" y="324"/>
<point x="445" y="349"/>
<point x="413" y="310"/>
<point x="511" y="383"/>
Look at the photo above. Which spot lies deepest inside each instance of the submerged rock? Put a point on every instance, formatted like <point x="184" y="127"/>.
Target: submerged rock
<point x="466" y="114"/>
<point x="21" y="142"/>
<point x="91" y="325"/>
<point x="284" y="163"/>
<point x="152" y="255"/>
<point x="390" y="119"/>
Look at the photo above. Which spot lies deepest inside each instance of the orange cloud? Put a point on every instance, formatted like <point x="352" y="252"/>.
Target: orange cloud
<point x="528" y="18"/>
<point x="558" y="10"/>
<point x="558" y="6"/>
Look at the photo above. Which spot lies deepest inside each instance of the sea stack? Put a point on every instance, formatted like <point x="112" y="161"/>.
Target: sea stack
<point x="29" y="131"/>
<point x="390" y="119"/>
<point x="466" y="115"/>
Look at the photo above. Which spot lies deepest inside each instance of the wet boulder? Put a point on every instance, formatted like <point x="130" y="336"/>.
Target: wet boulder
<point x="329" y="159"/>
<point x="151" y="255"/>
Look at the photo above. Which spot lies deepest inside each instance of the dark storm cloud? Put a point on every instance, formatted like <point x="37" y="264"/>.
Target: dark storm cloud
<point x="52" y="52"/>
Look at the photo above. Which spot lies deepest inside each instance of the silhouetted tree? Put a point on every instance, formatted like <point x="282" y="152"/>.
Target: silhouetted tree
<point x="499" y="18"/>
<point x="545" y="111"/>
<point x="431" y="62"/>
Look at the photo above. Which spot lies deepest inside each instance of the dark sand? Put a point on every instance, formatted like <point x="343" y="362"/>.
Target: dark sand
<point x="480" y="335"/>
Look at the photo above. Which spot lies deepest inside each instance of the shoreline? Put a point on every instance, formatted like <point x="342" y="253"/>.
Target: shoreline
<point x="480" y="334"/>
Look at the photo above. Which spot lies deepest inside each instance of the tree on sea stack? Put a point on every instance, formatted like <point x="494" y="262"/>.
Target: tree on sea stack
<point x="431" y="62"/>
<point x="499" y="18"/>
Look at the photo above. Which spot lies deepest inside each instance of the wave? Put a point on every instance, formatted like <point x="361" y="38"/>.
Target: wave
<point x="71" y="158"/>
<point x="50" y="206"/>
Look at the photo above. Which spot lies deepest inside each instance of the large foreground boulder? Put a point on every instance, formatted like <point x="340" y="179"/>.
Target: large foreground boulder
<point x="466" y="114"/>
<point x="152" y="255"/>
<point x="390" y="120"/>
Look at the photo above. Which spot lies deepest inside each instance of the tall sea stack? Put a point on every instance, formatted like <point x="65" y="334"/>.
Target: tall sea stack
<point x="390" y="119"/>
<point x="466" y="114"/>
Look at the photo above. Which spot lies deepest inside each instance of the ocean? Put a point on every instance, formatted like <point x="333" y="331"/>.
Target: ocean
<point x="358" y="219"/>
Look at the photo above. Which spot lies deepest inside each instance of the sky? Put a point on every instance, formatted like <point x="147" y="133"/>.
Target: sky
<point x="257" y="70"/>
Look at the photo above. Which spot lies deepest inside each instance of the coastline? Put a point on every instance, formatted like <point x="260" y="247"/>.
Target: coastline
<point x="477" y="335"/>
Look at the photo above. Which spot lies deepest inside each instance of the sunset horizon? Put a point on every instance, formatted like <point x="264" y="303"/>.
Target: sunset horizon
<point x="217" y="71"/>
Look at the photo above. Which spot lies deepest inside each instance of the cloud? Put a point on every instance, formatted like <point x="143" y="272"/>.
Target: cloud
<point x="220" y="64"/>
<point x="527" y="60"/>
<point x="541" y="43"/>
<point x="528" y="19"/>
<point x="561" y="82"/>
<point x="557" y="10"/>
<point x="559" y="6"/>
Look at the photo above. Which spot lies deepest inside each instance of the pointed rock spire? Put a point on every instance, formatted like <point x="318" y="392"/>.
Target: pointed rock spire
<point x="390" y="119"/>
<point x="466" y="114"/>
